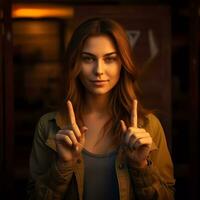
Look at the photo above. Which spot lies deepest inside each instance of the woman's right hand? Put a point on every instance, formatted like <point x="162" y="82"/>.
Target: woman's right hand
<point x="69" y="143"/>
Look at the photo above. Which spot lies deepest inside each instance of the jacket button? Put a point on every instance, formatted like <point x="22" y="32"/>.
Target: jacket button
<point x="121" y="166"/>
<point x="79" y="161"/>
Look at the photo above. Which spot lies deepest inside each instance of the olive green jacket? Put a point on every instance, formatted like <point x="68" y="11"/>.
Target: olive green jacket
<point x="156" y="181"/>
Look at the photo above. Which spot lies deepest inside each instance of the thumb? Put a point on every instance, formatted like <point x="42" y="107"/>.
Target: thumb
<point x="81" y="143"/>
<point x="123" y="126"/>
<point x="124" y="129"/>
<point x="83" y="131"/>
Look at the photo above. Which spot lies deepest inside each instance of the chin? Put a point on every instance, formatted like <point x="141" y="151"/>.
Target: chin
<point x="99" y="91"/>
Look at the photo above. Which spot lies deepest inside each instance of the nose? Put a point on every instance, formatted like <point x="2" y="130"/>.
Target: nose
<point x="99" y="69"/>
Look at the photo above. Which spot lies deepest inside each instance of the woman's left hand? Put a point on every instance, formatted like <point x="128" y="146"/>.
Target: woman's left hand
<point x="136" y="140"/>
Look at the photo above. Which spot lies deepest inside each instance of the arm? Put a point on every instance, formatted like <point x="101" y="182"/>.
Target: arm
<point x="46" y="181"/>
<point x="155" y="181"/>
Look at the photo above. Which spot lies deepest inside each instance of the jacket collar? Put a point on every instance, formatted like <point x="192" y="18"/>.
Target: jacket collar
<point x="61" y="123"/>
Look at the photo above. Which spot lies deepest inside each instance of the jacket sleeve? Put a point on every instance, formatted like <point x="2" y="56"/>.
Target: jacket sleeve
<point x="156" y="181"/>
<point x="46" y="181"/>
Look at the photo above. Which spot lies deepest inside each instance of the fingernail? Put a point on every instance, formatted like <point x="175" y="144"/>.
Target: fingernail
<point x="85" y="129"/>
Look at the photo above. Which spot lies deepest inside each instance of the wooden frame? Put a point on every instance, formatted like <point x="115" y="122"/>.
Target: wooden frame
<point x="7" y="124"/>
<point x="194" y="98"/>
<point x="1" y="101"/>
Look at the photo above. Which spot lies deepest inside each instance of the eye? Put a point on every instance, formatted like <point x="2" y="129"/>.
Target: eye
<point x="110" y="59"/>
<point x="87" y="59"/>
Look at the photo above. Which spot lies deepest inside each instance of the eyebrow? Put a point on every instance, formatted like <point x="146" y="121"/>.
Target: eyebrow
<point x="107" y="54"/>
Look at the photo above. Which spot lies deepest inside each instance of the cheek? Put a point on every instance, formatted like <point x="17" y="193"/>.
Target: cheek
<point x="85" y="74"/>
<point x="86" y="70"/>
<point x="115" y="72"/>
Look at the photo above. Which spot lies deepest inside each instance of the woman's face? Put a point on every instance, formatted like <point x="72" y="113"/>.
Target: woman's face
<point x="100" y="65"/>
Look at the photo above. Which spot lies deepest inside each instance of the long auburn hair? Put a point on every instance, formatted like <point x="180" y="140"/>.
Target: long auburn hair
<point x="123" y="93"/>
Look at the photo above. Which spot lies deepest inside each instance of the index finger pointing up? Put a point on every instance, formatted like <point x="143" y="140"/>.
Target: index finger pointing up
<point x="71" y="113"/>
<point x="134" y="114"/>
<point x="72" y="119"/>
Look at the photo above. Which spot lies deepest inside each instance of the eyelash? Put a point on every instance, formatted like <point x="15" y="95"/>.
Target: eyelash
<point x="110" y="59"/>
<point x="89" y="59"/>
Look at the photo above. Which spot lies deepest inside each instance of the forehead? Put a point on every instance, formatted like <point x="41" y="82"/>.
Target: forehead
<point x="100" y="44"/>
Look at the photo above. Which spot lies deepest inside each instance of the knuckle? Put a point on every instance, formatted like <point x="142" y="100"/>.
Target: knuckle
<point x="129" y="135"/>
<point x="63" y="131"/>
<point x="73" y="124"/>
<point x="139" y="142"/>
<point x="70" y="132"/>
<point x="59" y="132"/>
<point x="68" y="140"/>
<point x="59" y="137"/>
<point x="130" y="129"/>
<point x="147" y="133"/>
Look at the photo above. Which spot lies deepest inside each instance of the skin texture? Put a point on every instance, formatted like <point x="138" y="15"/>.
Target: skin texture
<point x="100" y="62"/>
<point x="137" y="140"/>
<point x="69" y="143"/>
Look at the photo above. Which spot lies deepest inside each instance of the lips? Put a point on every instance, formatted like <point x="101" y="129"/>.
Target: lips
<point x="99" y="82"/>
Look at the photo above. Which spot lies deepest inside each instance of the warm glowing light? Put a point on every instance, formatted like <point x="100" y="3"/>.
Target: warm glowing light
<point x="41" y="11"/>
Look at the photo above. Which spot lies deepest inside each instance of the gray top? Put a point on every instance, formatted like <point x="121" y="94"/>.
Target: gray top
<point x="100" y="181"/>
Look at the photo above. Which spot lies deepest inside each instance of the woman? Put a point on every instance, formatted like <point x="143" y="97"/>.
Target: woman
<point x="101" y="144"/>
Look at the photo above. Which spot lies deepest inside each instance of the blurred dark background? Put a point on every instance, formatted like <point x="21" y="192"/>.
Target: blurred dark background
<point x="165" y="36"/>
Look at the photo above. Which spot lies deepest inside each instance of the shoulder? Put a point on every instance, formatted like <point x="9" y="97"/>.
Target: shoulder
<point x="44" y="119"/>
<point x="152" y="120"/>
<point x="154" y="126"/>
<point x="43" y="123"/>
<point x="53" y="118"/>
<point x="48" y="116"/>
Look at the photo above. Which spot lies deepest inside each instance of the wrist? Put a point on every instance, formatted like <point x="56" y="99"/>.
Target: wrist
<point x="61" y="164"/>
<point x="140" y="165"/>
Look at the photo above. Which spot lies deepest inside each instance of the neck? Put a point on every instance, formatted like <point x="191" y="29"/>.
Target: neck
<point x="97" y="104"/>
